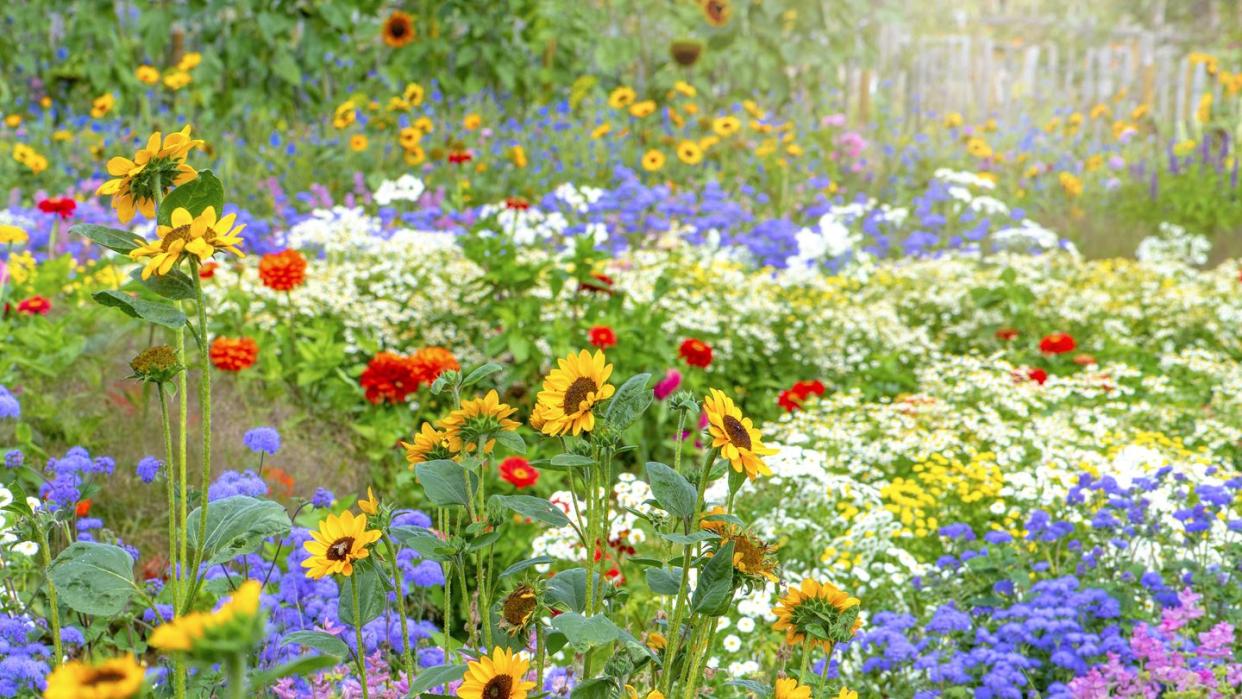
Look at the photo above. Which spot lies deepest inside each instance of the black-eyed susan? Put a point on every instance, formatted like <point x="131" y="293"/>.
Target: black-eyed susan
<point x="656" y="641"/>
<point x="190" y="61"/>
<point x="643" y="109"/>
<point x="358" y="143"/>
<point x="148" y="75"/>
<point x="471" y="121"/>
<point x="518" y="608"/>
<point x="201" y="236"/>
<point x="428" y="444"/>
<point x="338" y="543"/>
<point x="413" y="94"/>
<point x="409" y="137"/>
<point x="424" y="124"/>
<point x="118" y="678"/>
<point x="621" y="97"/>
<point x="415" y="155"/>
<point x="819" y="611"/>
<point x="735" y="435"/>
<point x="205" y="634"/>
<point x="477" y="418"/>
<point x="345" y="114"/>
<point x="159" y="165"/>
<point x="500" y="676"/>
<point x="725" y="126"/>
<point x="846" y="693"/>
<point x="788" y="688"/>
<point x="176" y="79"/>
<point x="653" y="160"/>
<point x="398" y="29"/>
<point x="717" y="12"/>
<point x="600" y="131"/>
<point x="571" y="392"/>
<point x="689" y="153"/>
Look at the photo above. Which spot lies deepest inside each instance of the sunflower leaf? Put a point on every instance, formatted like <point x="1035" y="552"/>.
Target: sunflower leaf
<point x="671" y="489"/>
<point x="236" y="526"/>
<point x="586" y="632"/>
<point x="524" y="564"/>
<point x="435" y="676"/>
<point x="151" y="311"/>
<point x="318" y="640"/>
<point x="630" y="401"/>
<point x="481" y="373"/>
<point x="511" y="441"/>
<point x="175" y="285"/>
<point x="371" y="597"/>
<point x="115" y="240"/>
<point x="715" y="589"/>
<point x="93" y="578"/>
<point x="193" y="196"/>
<point x="444" y="482"/>
<point x="533" y="507"/>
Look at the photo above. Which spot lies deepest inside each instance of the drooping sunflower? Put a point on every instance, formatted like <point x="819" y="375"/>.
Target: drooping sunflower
<point x="735" y="435"/>
<point x="428" y="444"/>
<point x="752" y="556"/>
<point x="819" y="610"/>
<point x="475" y="418"/>
<point x="183" y="633"/>
<point x="160" y="164"/>
<point x="518" y="608"/>
<point x="788" y="688"/>
<point x="200" y="236"/>
<point x="500" y="676"/>
<point x="571" y="391"/>
<point x="398" y="29"/>
<point x="717" y="12"/>
<point x="118" y="678"/>
<point x="337" y="544"/>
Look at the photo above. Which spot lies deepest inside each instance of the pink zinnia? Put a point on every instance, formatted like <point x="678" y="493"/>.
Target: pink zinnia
<point x="665" y="386"/>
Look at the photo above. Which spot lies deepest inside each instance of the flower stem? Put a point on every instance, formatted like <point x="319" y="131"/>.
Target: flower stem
<point x="204" y="398"/>
<point x="236" y="665"/>
<point x="361" y="653"/>
<point x="407" y="653"/>
<point x="172" y="494"/>
<point x="806" y="660"/>
<point x="53" y="605"/>
<point x="183" y="404"/>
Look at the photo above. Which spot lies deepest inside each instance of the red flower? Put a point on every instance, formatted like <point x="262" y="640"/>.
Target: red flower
<point x="1084" y="360"/>
<point x="1057" y="343"/>
<point x="61" y="206"/>
<point x="519" y="472"/>
<point x="430" y="362"/>
<point x="792" y="398"/>
<point x="599" y="283"/>
<point x="208" y="270"/>
<point x="1006" y="334"/>
<point x="389" y="377"/>
<point x="234" y="353"/>
<point x="517" y="204"/>
<point x="34" y="306"/>
<point x="83" y="508"/>
<point x="279" y="476"/>
<point x="459" y="157"/>
<point x="696" y="352"/>
<point x="283" y="271"/>
<point x="602" y="336"/>
<point x="1037" y="375"/>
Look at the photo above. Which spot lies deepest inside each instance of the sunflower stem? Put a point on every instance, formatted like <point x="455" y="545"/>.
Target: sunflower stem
<point x="236" y="666"/>
<point x="806" y="659"/>
<point x="442" y="516"/>
<point x="407" y="653"/>
<point x="183" y="404"/>
<point x="204" y="397"/>
<point x="539" y="650"/>
<point x="361" y="652"/>
<point x="53" y="615"/>
<point x="172" y="494"/>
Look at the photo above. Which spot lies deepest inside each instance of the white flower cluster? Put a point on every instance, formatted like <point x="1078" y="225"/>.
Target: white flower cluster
<point x="404" y="188"/>
<point x="562" y="543"/>
<point x="1174" y="247"/>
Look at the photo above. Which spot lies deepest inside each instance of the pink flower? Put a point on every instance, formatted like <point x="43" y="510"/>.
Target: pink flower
<point x="665" y="386"/>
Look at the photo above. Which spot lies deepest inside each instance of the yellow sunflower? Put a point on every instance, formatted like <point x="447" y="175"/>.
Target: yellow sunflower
<point x="200" y="236"/>
<point x="717" y="12"/>
<point x="183" y="633"/>
<point x="160" y="164"/>
<point x="500" y="676"/>
<point x="398" y="29"/>
<point x="409" y="137"/>
<point x="735" y="435"/>
<point x="358" y="143"/>
<point x="571" y="391"/>
<point x="643" y="109"/>
<point x="653" y="160"/>
<point x="815" y="605"/>
<point x="689" y="153"/>
<point x="118" y="678"/>
<point x="751" y="556"/>
<point x="622" y="97"/>
<point x="413" y="94"/>
<point x="726" y="126"/>
<point x="477" y="417"/>
<point x="428" y="444"/>
<point x="337" y="544"/>
<point x="788" y="688"/>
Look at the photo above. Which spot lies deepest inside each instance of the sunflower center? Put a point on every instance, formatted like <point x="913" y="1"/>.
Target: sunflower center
<point x="397" y="29"/>
<point x="178" y="233"/>
<point x="498" y="687"/>
<point x="577" y="392"/>
<point x="519" y="606"/>
<point x="737" y="432"/>
<point x="339" y="550"/>
<point x="105" y="676"/>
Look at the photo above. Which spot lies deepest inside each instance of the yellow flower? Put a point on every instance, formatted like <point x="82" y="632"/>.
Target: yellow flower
<point x="161" y="163"/>
<point x="1184" y="147"/>
<point x="847" y="693"/>
<point x="952" y="120"/>
<point x="601" y="130"/>
<point x="190" y="61"/>
<point x="183" y="633"/>
<point x="751" y="556"/>
<point x="398" y="29"/>
<point x="571" y="391"/>
<point x="201" y="236"/>
<point x="61" y="135"/>
<point x="804" y="611"/>
<point x="794" y="150"/>
<point x="409" y="137"/>
<point x="501" y="676"/>
<point x="518" y="154"/>
<point x="337" y="543"/>
<point x="684" y="88"/>
<point x="643" y="109"/>
<point x="1204" y="112"/>
<point x="1070" y="183"/>
<point x="689" y="153"/>
<point x="12" y="235"/>
<point x="735" y="435"/>
<point x="358" y="142"/>
<point x="147" y="74"/>
<point x="653" y="160"/>
<point x="118" y="678"/>
<point x="788" y="688"/>
<point x="1140" y="111"/>
<point x="424" y="124"/>
<point x="708" y="141"/>
<point x="428" y="444"/>
<point x="102" y="104"/>
<point x="621" y="98"/>
<point x="752" y="108"/>
<point x="716" y="12"/>
<point x="413" y="94"/>
<point x="1101" y="111"/>
<point x="13" y="121"/>
<point x="415" y="155"/>
<point x="370" y="504"/>
<point x="176" y="79"/>
<point x="726" y="126"/>
<point x="979" y="148"/>
<point x="476" y="418"/>
<point x="656" y="641"/>
<point x="472" y="121"/>
<point x="344" y="114"/>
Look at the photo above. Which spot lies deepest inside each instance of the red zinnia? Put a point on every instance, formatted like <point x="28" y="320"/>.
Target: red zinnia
<point x="696" y="352"/>
<point x="430" y="362"/>
<point x="459" y="157"/>
<point x="283" y="271"/>
<point x="34" y="306"/>
<point x="234" y="353"/>
<point x="792" y="398"/>
<point x="389" y="377"/>
<point x="61" y="206"/>
<point x="519" y="472"/>
<point x="83" y="508"/>
<point x="208" y="270"/>
<point x="1037" y="375"/>
<point x="517" y="204"/>
<point x="602" y="336"/>
<point x="1006" y="334"/>
<point x="1057" y="343"/>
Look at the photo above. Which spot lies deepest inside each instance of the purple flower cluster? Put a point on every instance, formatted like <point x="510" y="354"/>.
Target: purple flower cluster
<point x="232" y="483"/>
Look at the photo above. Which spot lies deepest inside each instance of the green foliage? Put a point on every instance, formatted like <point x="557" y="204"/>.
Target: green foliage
<point x="94" y="578"/>
<point x="238" y="525"/>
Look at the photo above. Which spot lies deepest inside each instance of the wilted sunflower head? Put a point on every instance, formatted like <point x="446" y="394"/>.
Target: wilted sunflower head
<point x="398" y="29"/>
<point x="158" y="364"/>
<point x="752" y="557"/>
<point x="518" y="608"/>
<point x="685" y="52"/>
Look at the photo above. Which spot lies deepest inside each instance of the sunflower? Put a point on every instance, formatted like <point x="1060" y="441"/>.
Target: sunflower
<point x="498" y="677"/>
<point x="621" y="97"/>
<point x="518" y="609"/>
<point x="183" y="633"/>
<point x="398" y="29"/>
<point x="200" y="236"/>
<point x="689" y="153"/>
<point x="735" y="435"/>
<point x="726" y="126"/>
<point x="370" y="504"/>
<point x="653" y="160"/>
<point x="717" y="12"/>
<point x="788" y="688"/>
<point x="572" y="390"/>
<point x="643" y="109"/>
<point x="817" y="610"/>
<point x="751" y="556"/>
<point x="476" y="418"/>
<point x="685" y="52"/>
<point x="161" y="164"/>
<point x="413" y="94"/>
<point x="429" y="444"/>
<point x="409" y="137"/>
<point x="337" y="544"/>
<point x="118" y="678"/>
<point x="358" y="143"/>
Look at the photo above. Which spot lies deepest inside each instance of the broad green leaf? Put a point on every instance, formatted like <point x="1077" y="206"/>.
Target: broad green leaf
<point x="672" y="490"/>
<point x="664" y="581"/>
<point x="586" y="632"/>
<point x="511" y="441"/>
<point x="481" y="373"/>
<point x="568" y="587"/>
<point x="533" y="507"/>
<point x="435" y="677"/>
<point x="159" y="313"/>
<point x="688" y="539"/>
<point x="444" y="482"/>
<point x="115" y="240"/>
<point x="175" y="285"/>
<point x="595" y="688"/>
<point x="572" y="460"/>
<point x="93" y="578"/>
<point x="715" y="589"/>
<point x="523" y="565"/>
<point x="427" y="545"/>
<point x="630" y="401"/>
<point x="193" y="196"/>
<point x="319" y="640"/>
<point x="371" y="596"/>
<point x="237" y="525"/>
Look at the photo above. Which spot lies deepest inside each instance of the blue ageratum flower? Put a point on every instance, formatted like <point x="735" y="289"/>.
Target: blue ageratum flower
<point x="9" y="407"/>
<point x="262" y="440"/>
<point x="323" y="498"/>
<point x="148" y="468"/>
<point x="232" y="483"/>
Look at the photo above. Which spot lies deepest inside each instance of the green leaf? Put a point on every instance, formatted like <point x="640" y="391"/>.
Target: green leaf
<point x="533" y="507"/>
<point x="286" y="68"/>
<point x="672" y="490"/>
<point x="631" y="400"/>
<point x="371" y="596"/>
<point x="688" y="539"/>
<point x="175" y="285"/>
<point x="436" y="676"/>
<point x="193" y="196"/>
<point x="93" y="578"/>
<point x="572" y="460"/>
<point x="237" y="525"/>
<point x="481" y="373"/>
<point x="305" y="665"/>
<point x="664" y="581"/>
<point x="115" y="240"/>
<point x="427" y="545"/>
<point x="523" y="565"/>
<point x="715" y="589"/>
<point x="151" y="311"/>
<point x="444" y="482"/>
<point x="586" y="632"/>
<point x="319" y="640"/>
<point x="511" y="441"/>
<point x="568" y="587"/>
<point x="595" y="688"/>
